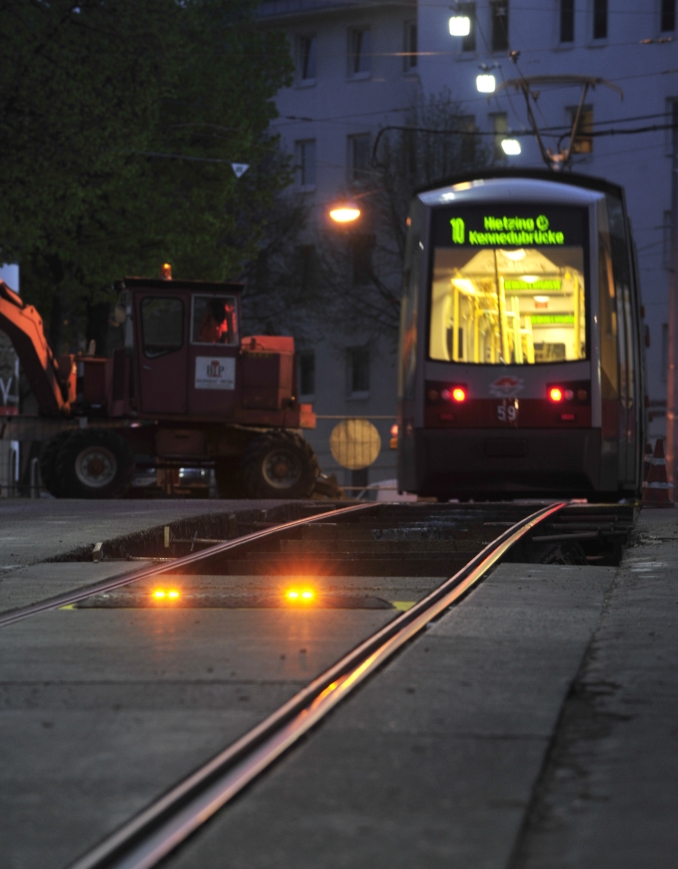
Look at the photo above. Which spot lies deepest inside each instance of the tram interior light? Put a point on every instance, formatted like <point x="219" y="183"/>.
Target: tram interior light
<point x="515" y="255"/>
<point x="487" y="84"/>
<point x="510" y="147"/>
<point x="460" y="25"/>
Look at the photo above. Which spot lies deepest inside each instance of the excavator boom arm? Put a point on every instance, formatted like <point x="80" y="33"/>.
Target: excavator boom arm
<point x="23" y="325"/>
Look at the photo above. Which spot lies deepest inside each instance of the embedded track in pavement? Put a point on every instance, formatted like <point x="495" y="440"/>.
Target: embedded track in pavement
<point x="370" y="576"/>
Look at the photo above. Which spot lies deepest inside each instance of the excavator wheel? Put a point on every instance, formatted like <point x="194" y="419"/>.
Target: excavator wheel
<point x="48" y="458"/>
<point x="279" y="464"/>
<point x="95" y="463"/>
<point x="229" y="478"/>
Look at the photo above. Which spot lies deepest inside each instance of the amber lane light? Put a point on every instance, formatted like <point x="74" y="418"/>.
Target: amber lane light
<point x="165" y="594"/>
<point x="299" y="595"/>
<point x="459" y="394"/>
<point x="556" y="393"/>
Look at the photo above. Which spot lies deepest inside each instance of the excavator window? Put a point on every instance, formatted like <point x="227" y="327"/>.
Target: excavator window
<point x="214" y="320"/>
<point x="162" y="325"/>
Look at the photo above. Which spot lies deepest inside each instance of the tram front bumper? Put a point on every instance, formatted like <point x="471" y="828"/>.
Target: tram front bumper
<point x="499" y="462"/>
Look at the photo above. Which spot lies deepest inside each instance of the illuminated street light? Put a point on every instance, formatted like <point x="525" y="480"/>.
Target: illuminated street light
<point x="460" y="25"/>
<point x="510" y="147"/>
<point x="486" y="84"/>
<point x="346" y="212"/>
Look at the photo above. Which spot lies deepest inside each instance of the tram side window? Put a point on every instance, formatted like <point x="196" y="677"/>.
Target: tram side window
<point x="517" y="306"/>
<point x="162" y="325"/>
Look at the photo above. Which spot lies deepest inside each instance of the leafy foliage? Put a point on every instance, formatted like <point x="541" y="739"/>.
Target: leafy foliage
<point x="118" y="124"/>
<point x="435" y="142"/>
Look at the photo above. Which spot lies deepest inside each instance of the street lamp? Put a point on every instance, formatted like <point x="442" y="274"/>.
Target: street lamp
<point x="345" y="212"/>
<point x="486" y="84"/>
<point x="460" y="25"/>
<point x="511" y="147"/>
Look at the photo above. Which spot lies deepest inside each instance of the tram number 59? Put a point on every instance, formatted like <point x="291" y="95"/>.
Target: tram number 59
<point x="507" y="413"/>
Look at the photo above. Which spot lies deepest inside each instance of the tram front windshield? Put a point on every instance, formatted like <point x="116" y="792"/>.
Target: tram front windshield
<point x="508" y="286"/>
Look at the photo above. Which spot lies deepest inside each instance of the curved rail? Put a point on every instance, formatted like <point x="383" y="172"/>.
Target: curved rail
<point x="158" y="829"/>
<point x="78" y="594"/>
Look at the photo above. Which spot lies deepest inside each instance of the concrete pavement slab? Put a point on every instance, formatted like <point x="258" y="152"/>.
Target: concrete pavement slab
<point x="102" y="710"/>
<point x="433" y="762"/>
<point x="35" y="530"/>
<point x="608" y="797"/>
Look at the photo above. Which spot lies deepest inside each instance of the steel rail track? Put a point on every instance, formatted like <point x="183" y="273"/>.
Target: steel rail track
<point x="152" y="834"/>
<point x="70" y="597"/>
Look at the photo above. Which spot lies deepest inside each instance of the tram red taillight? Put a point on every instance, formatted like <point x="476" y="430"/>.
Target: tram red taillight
<point x="458" y="394"/>
<point x="560" y="393"/>
<point x="556" y="394"/>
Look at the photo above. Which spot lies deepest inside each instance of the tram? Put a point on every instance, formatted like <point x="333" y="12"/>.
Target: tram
<point x="521" y="364"/>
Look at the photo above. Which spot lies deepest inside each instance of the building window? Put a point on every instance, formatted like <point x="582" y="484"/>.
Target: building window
<point x="358" y="359"/>
<point x="500" y="25"/>
<point x="668" y="16"/>
<point x="466" y="124"/>
<point x="359" y="52"/>
<point x="410" y="46"/>
<point x="362" y="247"/>
<point x="567" y="20"/>
<point x="306" y="372"/>
<point x="305" y="163"/>
<point x="306" y="268"/>
<point x="468" y="43"/>
<point x="306" y="57"/>
<point x="582" y="142"/>
<point x="500" y="129"/>
<point x="600" y="19"/>
<point x="359" y="158"/>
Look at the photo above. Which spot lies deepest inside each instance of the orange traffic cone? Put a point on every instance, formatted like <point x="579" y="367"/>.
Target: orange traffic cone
<point x="656" y="487"/>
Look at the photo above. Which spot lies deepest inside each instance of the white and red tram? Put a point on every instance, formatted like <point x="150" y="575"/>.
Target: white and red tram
<point x="521" y="368"/>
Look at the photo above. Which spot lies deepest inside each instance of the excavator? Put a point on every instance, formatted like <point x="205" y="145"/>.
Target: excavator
<point x="184" y="388"/>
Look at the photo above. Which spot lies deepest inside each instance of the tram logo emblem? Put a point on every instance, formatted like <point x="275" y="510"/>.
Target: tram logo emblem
<point x="458" y="230"/>
<point x="506" y="386"/>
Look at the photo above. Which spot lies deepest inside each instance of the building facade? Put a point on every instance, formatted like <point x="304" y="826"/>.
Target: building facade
<point x="360" y="66"/>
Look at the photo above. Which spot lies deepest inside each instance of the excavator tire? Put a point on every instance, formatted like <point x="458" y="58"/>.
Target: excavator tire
<point x="48" y="459"/>
<point x="95" y="463"/>
<point x="279" y="464"/>
<point x="229" y="479"/>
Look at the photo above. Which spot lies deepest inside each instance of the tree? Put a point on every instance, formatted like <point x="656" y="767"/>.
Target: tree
<point x="118" y="125"/>
<point x="362" y="268"/>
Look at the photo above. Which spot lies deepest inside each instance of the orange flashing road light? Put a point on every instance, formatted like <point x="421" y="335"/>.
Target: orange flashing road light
<point x="347" y="212"/>
<point x="297" y="595"/>
<point x="162" y="594"/>
<point x="166" y="271"/>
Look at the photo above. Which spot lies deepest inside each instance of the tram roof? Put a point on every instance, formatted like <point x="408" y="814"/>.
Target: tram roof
<point x="541" y="185"/>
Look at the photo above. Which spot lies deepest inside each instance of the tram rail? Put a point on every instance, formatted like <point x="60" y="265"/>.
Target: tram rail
<point x="367" y="540"/>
